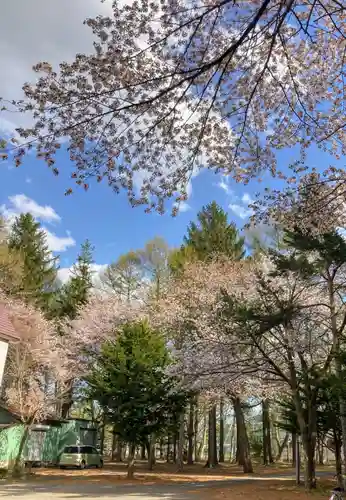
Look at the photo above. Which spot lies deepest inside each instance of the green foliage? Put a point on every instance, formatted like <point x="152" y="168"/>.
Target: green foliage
<point x="39" y="266"/>
<point x="124" y="276"/>
<point x="214" y="235"/>
<point x="179" y="257"/>
<point x="74" y="293"/>
<point x="129" y="381"/>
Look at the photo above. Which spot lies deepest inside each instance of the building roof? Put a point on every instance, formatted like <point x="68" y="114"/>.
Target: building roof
<point x="7" y="331"/>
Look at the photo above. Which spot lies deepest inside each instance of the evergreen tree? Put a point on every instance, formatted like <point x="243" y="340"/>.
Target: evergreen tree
<point x="74" y="293"/>
<point x="214" y="235"/>
<point x="39" y="266"/>
<point x="129" y="380"/>
<point x="11" y="265"/>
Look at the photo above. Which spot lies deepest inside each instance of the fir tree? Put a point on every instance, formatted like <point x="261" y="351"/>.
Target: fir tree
<point x="39" y="266"/>
<point x="214" y="235"/>
<point x="74" y="293"/>
<point x="129" y="381"/>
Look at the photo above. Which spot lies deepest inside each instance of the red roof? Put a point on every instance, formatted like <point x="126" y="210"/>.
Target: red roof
<point x="7" y="331"/>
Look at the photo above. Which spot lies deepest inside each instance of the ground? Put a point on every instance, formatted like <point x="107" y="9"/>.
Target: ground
<point x="223" y="483"/>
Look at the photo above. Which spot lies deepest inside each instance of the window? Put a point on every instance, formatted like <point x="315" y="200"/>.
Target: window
<point x="72" y="449"/>
<point x="86" y="449"/>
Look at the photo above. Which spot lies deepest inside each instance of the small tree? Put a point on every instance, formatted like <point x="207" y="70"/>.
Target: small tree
<point x="26" y="390"/>
<point x="129" y="380"/>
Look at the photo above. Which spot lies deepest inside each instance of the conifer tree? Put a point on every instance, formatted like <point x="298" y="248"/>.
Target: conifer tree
<point x="212" y="234"/>
<point x="128" y="378"/>
<point x="39" y="265"/>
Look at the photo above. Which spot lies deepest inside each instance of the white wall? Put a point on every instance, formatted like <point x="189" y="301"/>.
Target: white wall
<point x="3" y="354"/>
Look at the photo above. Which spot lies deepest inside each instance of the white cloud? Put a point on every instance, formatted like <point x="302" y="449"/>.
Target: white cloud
<point x="58" y="243"/>
<point x="246" y="198"/>
<point x="240" y="210"/>
<point x="20" y="203"/>
<point x="39" y="30"/>
<point x="28" y="180"/>
<point x="23" y="204"/>
<point x="183" y="206"/>
<point x="224" y="186"/>
<point x="65" y="273"/>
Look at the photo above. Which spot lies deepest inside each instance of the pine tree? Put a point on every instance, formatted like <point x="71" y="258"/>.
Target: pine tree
<point x="129" y="380"/>
<point x="39" y="266"/>
<point x="214" y="235"/>
<point x="74" y="293"/>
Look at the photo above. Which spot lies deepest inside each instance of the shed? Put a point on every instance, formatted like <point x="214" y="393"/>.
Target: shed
<point x="46" y="440"/>
<point x="8" y="334"/>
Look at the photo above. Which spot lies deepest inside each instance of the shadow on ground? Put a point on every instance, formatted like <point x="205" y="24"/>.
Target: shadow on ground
<point x="97" y="489"/>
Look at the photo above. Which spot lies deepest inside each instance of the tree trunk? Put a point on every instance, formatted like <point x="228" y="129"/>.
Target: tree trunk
<point x="143" y="454"/>
<point x="195" y="440"/>
<point x="242" y="437"/>
<point x="151" y="452"/>
<point x="338" y="460"/>
<point x="175" y="442"/>
<point x="66" y="405"/>
<point x="114" y="445"/>
<point x="308" y="431"/>
<point x="267" y="451"/>
<point x="342" y="406"/>
<point x="222" y="433"/>
<point x="168" y="456"/>
<point x="233" y="447"/>
<point x="190" y="433"/>
<point x="212" y="445"/>
<point x="320" y="451"/>
<point x="119" y="452"/>
<point x="102" y="435"/>
<point x="131" y="462"/>
<point x="338" y="368"/>
<point x="201" y="446"/>
<point x="282" y="446"/>
<point x="161" y="449"/>
<point x="181" y="441"/>
<point x="294" y="448"/>
<point x="310" y="470"/>
<point x="17" y="463"/>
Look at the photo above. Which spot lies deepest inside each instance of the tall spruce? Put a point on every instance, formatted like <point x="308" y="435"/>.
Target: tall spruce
<point x="39" y="265"/>
<point x="128" y="378"/>
<point x="74" y="294"/>
<point x="213" y="234"/>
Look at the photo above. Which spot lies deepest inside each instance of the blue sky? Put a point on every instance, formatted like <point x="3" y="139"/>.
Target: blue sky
<point x="40" y="31"/>
<point x="107" y="219"/>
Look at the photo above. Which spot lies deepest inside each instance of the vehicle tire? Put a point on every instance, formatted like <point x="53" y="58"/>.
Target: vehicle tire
<point x="101" y="465"/>
<point x="82" y="465"/>
<point x="62" y="467"/>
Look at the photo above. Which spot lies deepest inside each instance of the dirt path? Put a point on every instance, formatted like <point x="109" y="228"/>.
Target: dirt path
<point x="60" y="489"/>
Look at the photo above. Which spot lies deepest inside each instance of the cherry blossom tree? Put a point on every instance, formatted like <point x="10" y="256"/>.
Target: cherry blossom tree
<point x="97" y="321"/>
<point x="253" y="328"/>
<point x="35" y="369"/>
<point x="174" y="86"/>
<point x="205" y="358"/>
